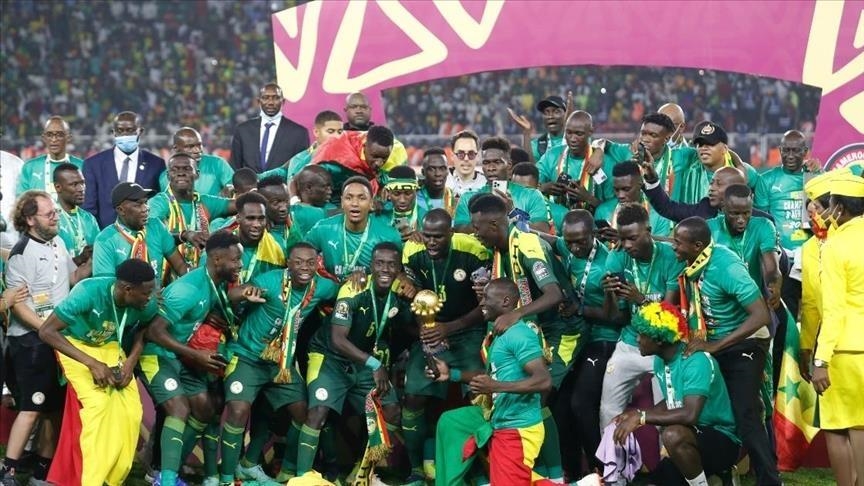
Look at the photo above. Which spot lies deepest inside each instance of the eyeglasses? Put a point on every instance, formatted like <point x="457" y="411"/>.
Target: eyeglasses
<point x="58" y="135"/>
<point x="461" y="155"/>
<point x="49" y="215"/>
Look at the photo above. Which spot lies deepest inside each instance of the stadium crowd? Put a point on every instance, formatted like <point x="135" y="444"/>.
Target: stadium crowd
<point x="551" y="300"/>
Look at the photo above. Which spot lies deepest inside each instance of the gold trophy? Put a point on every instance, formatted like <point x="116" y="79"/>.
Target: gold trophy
<point x="426" y="305"/>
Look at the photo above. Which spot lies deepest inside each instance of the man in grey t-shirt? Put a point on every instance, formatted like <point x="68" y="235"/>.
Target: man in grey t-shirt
<point x="40" y="261"/>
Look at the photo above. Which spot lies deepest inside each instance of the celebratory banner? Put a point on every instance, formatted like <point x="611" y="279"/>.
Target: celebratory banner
<point x="325" y="50"/>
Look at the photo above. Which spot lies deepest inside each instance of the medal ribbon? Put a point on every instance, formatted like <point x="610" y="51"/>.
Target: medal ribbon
<point x="225" y="306"/>
<point x="139" y="246"/>
<point x="356" y="255"/>
<point x="691" y="279"/>
<point x="441" y="288"/>
<point x="287" y="342"/>
<point x="121" y="325"/>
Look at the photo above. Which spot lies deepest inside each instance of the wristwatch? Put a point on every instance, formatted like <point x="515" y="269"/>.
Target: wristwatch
<point x="820" y="364"/>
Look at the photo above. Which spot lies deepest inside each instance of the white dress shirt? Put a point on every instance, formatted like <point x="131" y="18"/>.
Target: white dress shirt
<point x="264" y="121"/>
<point x="119" y="157"/>
<point x="10" y="169"/>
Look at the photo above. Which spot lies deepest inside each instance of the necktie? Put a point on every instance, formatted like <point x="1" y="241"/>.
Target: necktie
<point x="124" y="171"/>
<point x="264" y="140"/>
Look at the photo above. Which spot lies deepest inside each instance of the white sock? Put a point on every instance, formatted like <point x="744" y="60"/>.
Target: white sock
<point x="699" y="480"/>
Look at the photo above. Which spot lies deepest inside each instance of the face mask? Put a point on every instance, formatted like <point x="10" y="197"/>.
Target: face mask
<point x="818" y="225"/>
<point x="832" y="220"/>
<point x="126" y="143"/>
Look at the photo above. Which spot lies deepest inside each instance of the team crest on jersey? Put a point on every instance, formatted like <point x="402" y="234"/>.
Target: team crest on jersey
<point x="321" y="394"/>
<point x="393" y="312"/>
<point x="171" y="384"/>
<point x="236" y="387"/>
<point x="38" y="398"/>
<point x="540" y="271"/>
<point x="341" y="311"/>
<point x="459" y="275"/>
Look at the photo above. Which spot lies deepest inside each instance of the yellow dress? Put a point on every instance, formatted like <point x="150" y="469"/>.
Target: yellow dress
<point x="841" y="335"/>
<point x="811" y="296"/>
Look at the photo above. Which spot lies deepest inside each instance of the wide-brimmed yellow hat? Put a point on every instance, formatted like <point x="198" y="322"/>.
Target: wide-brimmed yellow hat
<point x="847" y="184"/>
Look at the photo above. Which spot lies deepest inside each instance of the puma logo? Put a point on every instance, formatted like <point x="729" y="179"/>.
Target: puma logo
<point x="592" y="361"/>
<point x="409" y="429"/>
<point x="97" y="312"/>
<point x="748" y="356"/>
<point x="425" y="273"/>
<point x="363" y="310"/>
<point x="308" y="445"/>
<point x="232" y="445"/>
<point x="334" y="244"/>
<point x="177" y="439"/>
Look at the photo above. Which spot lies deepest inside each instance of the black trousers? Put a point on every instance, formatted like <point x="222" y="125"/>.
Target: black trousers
<point x="742" y="366"/>
<point x="577" y="409"/>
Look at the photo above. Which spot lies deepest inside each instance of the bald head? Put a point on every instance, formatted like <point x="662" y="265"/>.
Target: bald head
<point x="730" y="175"/>
<point x="185" y="133"/>
<point x="357" y="110"/>
<point x="127" y="116"/>
<point x="270" y="87"/>
<point x="794" y="135"/>
<point x="582" y="116"/>
<point x="54" y="122"/>
<point x="676" y="114"/>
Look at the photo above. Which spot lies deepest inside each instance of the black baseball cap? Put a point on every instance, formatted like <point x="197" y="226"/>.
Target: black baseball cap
<point x="709" y="133"/>
<point x="551" y="101"/>
<point x="129" y="191"/>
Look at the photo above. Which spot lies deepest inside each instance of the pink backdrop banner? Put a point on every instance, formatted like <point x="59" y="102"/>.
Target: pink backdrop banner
<point x="325" y="50"/>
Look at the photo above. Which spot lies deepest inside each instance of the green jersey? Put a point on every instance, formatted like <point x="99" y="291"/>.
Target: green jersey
<point x="654" y="279"/>
<point x="214" y="173"/>
<point x="299" y="162"/>
<point x="697" y="375"/>
<point x="508" y="355"/>
<point x="92" y="316"/>
<point x="286" y="236"/>
<point x="608" y="211"/>
<point x="549" y="141"/>
<point x="586" y="277"/>
<point x="185" y="304"/>
<point x="558" y="212"/>
<point x="261" y="258"/>
<point x="450" y="275"/>
<point x="38" y="174"/>
<point x="305" y="216"/>
<point x="114" y="245"/>
<point x="786" y="204"/>
<point x="191" y="215"/>
<point x="759" y="237"/>
<point x="671" y="166"/>
<point x="265" y="322"/>
<point x="532" y="264"/>
<point x="527" y="199"/>
<point x="78" y="228"/>
<point x="371" y="321"/>
<point x="559" y="160"/>
<point x="726" y="290"/>
<point x="345" y="251"/>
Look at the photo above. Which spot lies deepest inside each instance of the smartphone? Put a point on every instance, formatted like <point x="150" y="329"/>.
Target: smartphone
<point x="400" y="223"/>
<point x="601" y="224"/>
<point x="641" y="155"/>
<point x="220" y="358"/>
<point x="621" y="276"/>
<point x="500" y="186"/>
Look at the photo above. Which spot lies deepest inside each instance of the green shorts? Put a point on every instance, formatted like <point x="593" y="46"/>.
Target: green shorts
<point x="166" y="378"/>
<point x="331" y="380"/>
<point x="565" y="344"/>
<point x="464" y="354"/>
<point x="245" y="379"/>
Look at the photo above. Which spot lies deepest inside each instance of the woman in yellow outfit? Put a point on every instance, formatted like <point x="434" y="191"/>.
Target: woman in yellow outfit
<point x="838" y="373"/>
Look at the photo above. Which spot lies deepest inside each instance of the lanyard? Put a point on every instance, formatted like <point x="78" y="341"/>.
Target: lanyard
<point x="381" y="323"/>
<point x="637" y="276"/>
<point x="564" y="165"/>
<point x="224" y="304"/>
<point x="246" y="274"/>
<point x="356" y="255"/>
<point x="580" y="293"/>
<point x="76" y="226"/>
<point x="179" y="218"/>
<point x="670" y="391"/>
<point x="663" y="169"/>
<point x="121" y="325"/>
<point x="440" y="288"/>
<point x="287" y="290"/>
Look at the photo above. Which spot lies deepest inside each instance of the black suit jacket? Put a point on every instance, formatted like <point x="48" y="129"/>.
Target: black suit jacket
<point x="290" y="140"/>
<point x="676" y="211"/>
<point x="100" y="176"/>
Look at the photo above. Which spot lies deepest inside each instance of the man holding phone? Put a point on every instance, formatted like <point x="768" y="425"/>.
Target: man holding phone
<point x="496" y="168"/>
<point x="643" y="270"/>
<point x="627" y="182"/>
<point x="404" y="212"/>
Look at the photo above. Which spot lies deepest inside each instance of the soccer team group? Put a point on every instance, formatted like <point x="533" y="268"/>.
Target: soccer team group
<point x="491" y="315"/>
